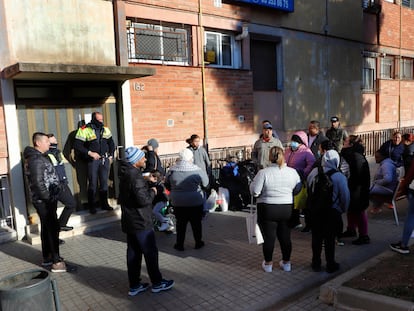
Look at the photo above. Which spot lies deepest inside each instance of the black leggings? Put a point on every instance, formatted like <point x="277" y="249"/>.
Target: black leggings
<point x="273" y="222"/>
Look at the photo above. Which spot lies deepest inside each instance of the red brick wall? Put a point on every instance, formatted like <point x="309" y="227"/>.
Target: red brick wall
<point x="226" y="10"/>
<point x="390" y="26"/>
<point x="388" y="102"/>
<point x="175" y="92"/>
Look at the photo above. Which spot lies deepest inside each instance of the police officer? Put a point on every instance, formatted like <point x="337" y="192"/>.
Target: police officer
<point x="94" y="142"/>
<point x="65" y="195"/>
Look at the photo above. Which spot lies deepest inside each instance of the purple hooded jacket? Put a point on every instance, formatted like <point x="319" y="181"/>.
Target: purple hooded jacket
<point x="302" y="159"/>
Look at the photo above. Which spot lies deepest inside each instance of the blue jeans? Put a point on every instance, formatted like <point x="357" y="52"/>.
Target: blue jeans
<point x="409" y="221"/>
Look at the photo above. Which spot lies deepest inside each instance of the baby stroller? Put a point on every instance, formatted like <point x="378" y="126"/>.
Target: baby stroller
<point x="236" y="177"/>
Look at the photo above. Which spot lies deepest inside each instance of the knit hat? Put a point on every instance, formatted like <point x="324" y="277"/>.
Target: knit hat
<point x="133" y="154"/>
<point x="153" y="143"/>
<point x="186" y="155"/>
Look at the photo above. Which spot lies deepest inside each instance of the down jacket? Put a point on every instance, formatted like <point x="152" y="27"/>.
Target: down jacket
<point x="43" y="180"/>
<point x="301" y="159"/>
<point x="135" y="198"/>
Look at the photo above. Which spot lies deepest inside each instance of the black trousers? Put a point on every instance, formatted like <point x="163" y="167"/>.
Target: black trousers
<point x="185" y="214"/>
<point x="66" y="197"/>
<point x="98" y="170"/>
<point x="138" y="244"/>
<point x="325" y="227"/>
<point x="273" y="222"/>
<point x="49" y="227"/>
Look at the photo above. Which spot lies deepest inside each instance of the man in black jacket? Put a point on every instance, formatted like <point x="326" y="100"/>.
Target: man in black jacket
<point x="135" y="198"/>
<point x="44" y="188"/>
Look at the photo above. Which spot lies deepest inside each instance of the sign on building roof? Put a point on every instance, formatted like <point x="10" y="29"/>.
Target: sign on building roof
<point x="284" y="5"/>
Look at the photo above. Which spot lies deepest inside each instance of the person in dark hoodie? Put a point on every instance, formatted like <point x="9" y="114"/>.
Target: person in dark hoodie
<point x="44" y="189"/>
<point x="359" y="183"/>
<point x="135" y="198"/>
<point x="325" y="223"/>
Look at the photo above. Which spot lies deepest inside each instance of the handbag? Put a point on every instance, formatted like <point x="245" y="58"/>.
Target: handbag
<point x="299" y="200"/>
<point x="253" y="231"/>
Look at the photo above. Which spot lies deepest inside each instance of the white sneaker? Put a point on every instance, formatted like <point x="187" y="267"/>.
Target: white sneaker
<point x="266" y="268"/>
<point x="285" y="266"/>
<point x="164" y="226"/>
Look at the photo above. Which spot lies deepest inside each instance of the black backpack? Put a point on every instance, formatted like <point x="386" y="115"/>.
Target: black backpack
<point x="320" y="195"/>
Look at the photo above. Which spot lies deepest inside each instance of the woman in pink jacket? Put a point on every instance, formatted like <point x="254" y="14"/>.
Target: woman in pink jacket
<point x="301" y="158"/>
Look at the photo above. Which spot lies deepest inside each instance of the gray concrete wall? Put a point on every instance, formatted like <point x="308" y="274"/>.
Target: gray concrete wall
<point x="57" y="31"/>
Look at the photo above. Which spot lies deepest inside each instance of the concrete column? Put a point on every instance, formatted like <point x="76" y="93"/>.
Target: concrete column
<point x="18" y="198"/>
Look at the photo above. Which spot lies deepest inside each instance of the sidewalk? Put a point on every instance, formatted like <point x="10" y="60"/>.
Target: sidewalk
<point x="225" y="274"/>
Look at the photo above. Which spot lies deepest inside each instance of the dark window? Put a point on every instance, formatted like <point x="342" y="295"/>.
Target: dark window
<point x="264" y="65"/>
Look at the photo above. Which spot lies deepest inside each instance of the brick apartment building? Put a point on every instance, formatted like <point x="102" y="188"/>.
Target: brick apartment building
<point x="168" y="69"/>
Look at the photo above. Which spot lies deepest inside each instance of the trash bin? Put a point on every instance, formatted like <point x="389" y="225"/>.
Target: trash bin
<point x="28" y="290"/>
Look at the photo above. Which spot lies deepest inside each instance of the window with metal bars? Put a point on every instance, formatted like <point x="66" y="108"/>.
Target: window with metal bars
<point x="387" y="68"/>
<point x="158" y="43"/>
<point x="369" y="74"/>
<point x="408" y="3"/>
<point x="406" y="68"/>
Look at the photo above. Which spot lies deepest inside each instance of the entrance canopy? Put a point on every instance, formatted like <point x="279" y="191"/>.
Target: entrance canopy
<point x="35" y="71"/>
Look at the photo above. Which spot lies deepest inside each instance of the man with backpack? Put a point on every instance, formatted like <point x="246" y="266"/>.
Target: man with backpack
<point x="329" y="197"/>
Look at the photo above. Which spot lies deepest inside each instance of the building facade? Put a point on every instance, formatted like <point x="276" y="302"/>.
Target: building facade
<point x="169" y="69"/>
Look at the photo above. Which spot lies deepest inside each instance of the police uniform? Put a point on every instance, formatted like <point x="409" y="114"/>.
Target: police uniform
<point x="94" y="137"/>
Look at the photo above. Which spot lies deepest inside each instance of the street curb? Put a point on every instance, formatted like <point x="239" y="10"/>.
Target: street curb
<point x="345" y="298"/>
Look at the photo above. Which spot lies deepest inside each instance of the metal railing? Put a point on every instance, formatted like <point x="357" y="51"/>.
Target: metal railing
<point x="372" y="140"/>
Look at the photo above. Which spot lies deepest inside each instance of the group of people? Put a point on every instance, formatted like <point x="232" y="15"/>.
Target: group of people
<point x="48" y="184"/>
<point x="333" y="164"/>
<point x="317" y="162"/>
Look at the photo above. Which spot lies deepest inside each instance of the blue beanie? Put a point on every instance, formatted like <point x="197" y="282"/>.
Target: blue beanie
<point x="133" y="154"/>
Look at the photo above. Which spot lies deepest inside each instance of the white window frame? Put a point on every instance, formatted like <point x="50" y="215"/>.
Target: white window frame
<point x="369" y="74"/>
<point x="158" y="30"/>
<point x="218" y="41"/>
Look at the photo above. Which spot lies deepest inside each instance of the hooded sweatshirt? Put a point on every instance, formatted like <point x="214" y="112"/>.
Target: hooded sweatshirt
<point x="301" y="159"/>
<point x="341" y="196"/>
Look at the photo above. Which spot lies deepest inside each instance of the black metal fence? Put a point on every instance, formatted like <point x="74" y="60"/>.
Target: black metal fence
<point x="372" y="139"/>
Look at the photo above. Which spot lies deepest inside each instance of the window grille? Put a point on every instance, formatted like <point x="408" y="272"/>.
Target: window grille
<point x="151" y="42"/>
<point x="406" y="68"/>
<point x="408" y="3"/>
<point x="369" y="74"/>
<point x="387" y="68"/>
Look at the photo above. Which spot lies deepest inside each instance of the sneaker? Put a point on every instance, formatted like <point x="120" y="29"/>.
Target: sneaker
<point x="306" y="229"/>
<point x="339" y="242"/>
<point x="142" y="287"/>
<point x="348" y="233"/>
<point x="163" y="285"/>
<point x="397" y="247"/>
<point x="285" y="266"/>
<point x="59" y="267"/>
<point x="267" y="268"/>
<point x="363" y="239"/>
<point x="298" y="226"/>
